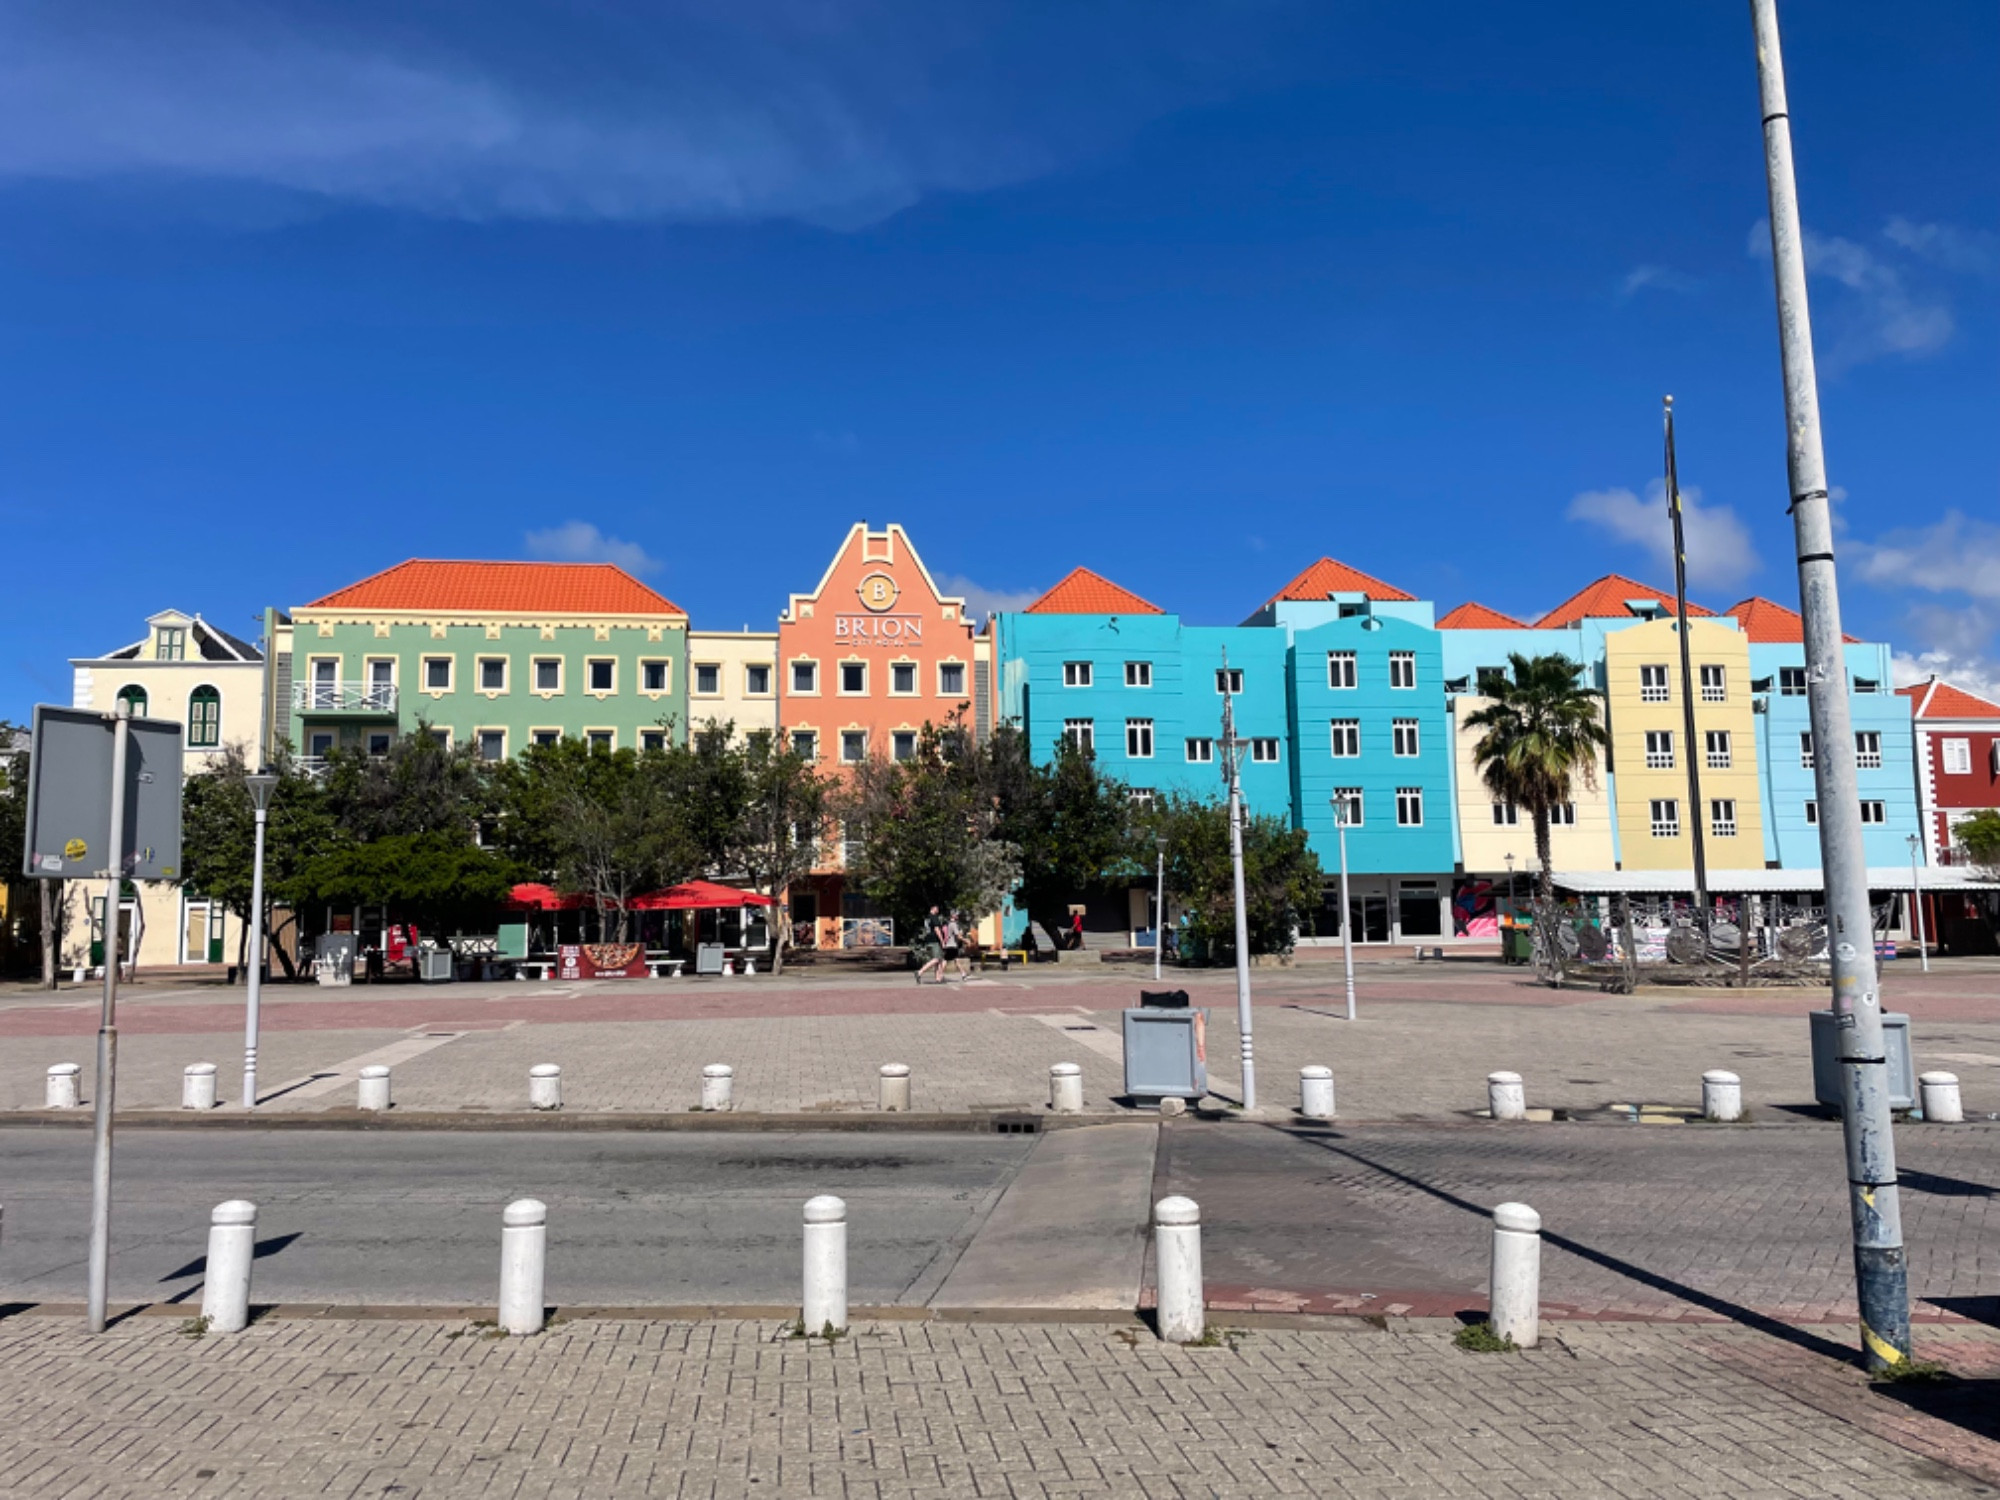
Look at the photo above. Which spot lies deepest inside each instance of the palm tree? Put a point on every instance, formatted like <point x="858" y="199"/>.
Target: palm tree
<point x="1543" y="732"/>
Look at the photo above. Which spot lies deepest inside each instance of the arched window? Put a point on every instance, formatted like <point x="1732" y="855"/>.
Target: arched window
<point x="136" y="696"/>
<point x="204" y="718"/>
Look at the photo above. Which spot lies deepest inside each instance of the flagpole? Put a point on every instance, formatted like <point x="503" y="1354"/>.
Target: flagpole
<point x="1693" y="749"/>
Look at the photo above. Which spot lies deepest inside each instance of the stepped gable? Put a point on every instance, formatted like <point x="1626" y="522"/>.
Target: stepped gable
<point x="1086" y="593"/>
<point x="423" y="586"/>
<point x="1605" y="600"/>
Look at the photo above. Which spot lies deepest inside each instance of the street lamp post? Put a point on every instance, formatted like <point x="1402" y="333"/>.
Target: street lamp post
<point x="1160" y="904"/>
<point x="1346" y="912"/>
<point x="1232" y="770"/>
<point x="1917" y="898"/>
<point x="261" y="785"/>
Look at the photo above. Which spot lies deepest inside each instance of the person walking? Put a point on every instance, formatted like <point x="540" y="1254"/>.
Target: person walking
<point x="962" y="937"/>
<point x="934" y="946"/>
<point x="1076" y="931"/>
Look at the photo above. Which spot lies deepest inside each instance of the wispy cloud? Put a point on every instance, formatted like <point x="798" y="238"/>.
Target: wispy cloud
<point x="980" y="600"/>
<point x="1973" y="251"/>
<point x="1658" y="279"/>
<point x="580" y="541"/>
<point x="1953" y="556"/>
<point x="1719" y="550"/>
<point x="1877" y="313"/>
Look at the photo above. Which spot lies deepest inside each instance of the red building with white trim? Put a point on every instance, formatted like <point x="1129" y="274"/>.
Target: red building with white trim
<point x="1958" y="760"/>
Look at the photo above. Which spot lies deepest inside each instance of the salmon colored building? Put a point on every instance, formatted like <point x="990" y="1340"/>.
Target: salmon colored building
<point x="867" y="659"/>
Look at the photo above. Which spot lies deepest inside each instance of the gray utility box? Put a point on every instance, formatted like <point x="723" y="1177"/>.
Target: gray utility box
<point x="1826" y="1060"/>
<point x="1166" y="1053"/>
<point x="709" y="958"/>
<point x="434" y="965"/>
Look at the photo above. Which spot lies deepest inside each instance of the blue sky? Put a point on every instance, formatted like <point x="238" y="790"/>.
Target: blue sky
<point x="1188" y="294"/>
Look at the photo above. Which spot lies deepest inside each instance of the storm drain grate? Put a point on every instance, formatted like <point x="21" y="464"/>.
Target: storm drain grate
<point x="1017" y="1124"/>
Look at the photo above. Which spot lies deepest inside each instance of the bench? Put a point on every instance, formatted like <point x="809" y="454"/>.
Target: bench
<point x="1006" y="956"/>
<point x="666" y="968"/>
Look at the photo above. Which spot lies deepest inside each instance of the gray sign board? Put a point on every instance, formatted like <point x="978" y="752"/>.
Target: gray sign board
<point x="69" y="797"/>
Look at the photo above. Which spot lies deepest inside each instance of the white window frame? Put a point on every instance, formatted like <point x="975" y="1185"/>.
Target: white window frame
<point x="1138" y="674"/>
<point x="538" y="663"/>
<point x="847" y="736"/>
<point x="811" y="666"/>
<point x="1409" y="799"/>
<point x="609" y="734"/>
<point x="387" y="738"/>
<point x="1955" y="750"/>
<point x="695" y="689"/>
<point x="1076" y="674"/>
<point x="841" y="689"/>
<point x="1718" y="750"/>
<point x="479" y="742"/>
<point x="912" y="665"/>
<point x="590" y="665"/>
<point x="1805" y="750"/>
<point x="1874" y="812"/>
<point x="1405" y="733"/>
<point x="1229" y="680"/>
<point x="1667" y="824"/>
<point x="1138" y="739"/>
<point x="750" y="690"/>
<point x="944" y="691"/>
<point x="652" y="734"/>
<point x="545" y="734"/>
<point x="1714" y="682"/>
<point x="1791" y="682"/>
<point x="1200" y="750"/>
<point x="810" y="751"/>
<point x="506" y="674"/>
<point x="1402" y="664"/>
<point x="1506" y="815"/>
<point x="1868" y="749"/>
<point x="1265" y="750"/>
<point x="1339" y="665"/>
<point x="1812" y="813"/>
<point x="1654" y="684"/>
<point x="897" y="738"/>
<point x="1722" y="817"/>
<point x="1355" y="802"/>
<point x="1344" y="737"/>
<point x="1563" y="815"/>
<point x="1081" y="733"/>
<point x="1659" y="750"/>
<point x="666" y="666"/>
<point x="450" y="674"/>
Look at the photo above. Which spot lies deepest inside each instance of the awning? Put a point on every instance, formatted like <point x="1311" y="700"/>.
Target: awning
<point x="534" y="896"/>
<point x="1766" y="882"/>
<point x="697" y="895"/>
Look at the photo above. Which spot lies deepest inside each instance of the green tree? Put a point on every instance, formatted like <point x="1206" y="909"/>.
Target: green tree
<point x="420" y="786"/>
<point x="1980" y="834"/>
<point x="786" y="820"/>
<point x="218" y="837"/>
<point x="1543" y="730"/>
<point x="439" y="881"/>
<point x="36" y="919"/>
<point x="1281" y="874"/>
<point x="1071" y="822"/>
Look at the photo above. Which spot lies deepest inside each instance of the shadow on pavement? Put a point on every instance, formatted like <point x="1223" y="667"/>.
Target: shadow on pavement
<point x="199" y="1265"/>
<point x="1971" y="1405"/>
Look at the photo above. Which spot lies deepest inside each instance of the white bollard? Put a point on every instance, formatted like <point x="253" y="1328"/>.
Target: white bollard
<point x="1177" y="1269"/>
<point x="1506" y="1099"/>
<point x="718" y="1084"/>
<point x="749" y="965"/>
<point x="895" y="1088"/>
<point x="524" y="1243"/>
<point x="1515" y="1292"/>
<point x="1940" y="1100"/>
<point x="232" y="1245"/>
<point x="77" y="976"/>
<point x="198" y="1086"/>
<point x="545" y="1086"/>
<point x="374" y="1090"/>
<point x="1721" y="1095"/>
<point x="825" y="1303"/>
<point x="63" y="1085"/>
<point x="1066" y="1089"/>
<point x="1316" y="1093"/>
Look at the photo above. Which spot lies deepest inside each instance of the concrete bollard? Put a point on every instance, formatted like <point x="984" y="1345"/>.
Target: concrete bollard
<point x="524" y="1244"/>
<point x="1066" y="1089"/>
<point x="1316" y="1093"/>
<point x="77" y="976"/>
<point x="232" y="1246"/>
<point x="1172" y="1107"/>
<point x="545" y="1086"/>
<point x="749" y="965"/>
<point x="374" y="1090"/>
<point x="825" y="1302"/>
<point x="1177" y="1269"/>
<point x="63" y="1085"/>
<point x="895" y="1088"/>
<point x="198" y="1086"/>
<point x="718" y="1085"/>
<point x="1939" y="1097"/>
<point x="1515" y="1292"/>
<point x="1506" y="1099"/>
<point x="1721" y="1095"/>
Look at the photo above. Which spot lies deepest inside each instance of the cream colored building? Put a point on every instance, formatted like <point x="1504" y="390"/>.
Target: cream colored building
<point x="733" y="679"/>
<point x="213" y="684"/>
<point x="1490" y="831"/>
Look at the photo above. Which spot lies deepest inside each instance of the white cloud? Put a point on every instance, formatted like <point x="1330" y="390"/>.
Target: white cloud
<point x="981" y="601"/>
<point x="1719" y="550"/>
<point x="1876" y="313"/>
<point x="1970" y="250"/>
<point x="1976" y="674"/>
<point x="1955" y="555"/>
<point x="1657" y="278"/>
<point x="579" y="541"/>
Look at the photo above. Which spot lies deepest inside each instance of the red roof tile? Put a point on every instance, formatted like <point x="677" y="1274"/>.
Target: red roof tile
<point x="1769" y="623"/>
<point x="1471" y="616"/>
<point x="1086" y="593"/>
<point x="1940" y="700"/>
<point x="1329" y="577"/>
<point x="1605" y="600"/>
<point x="502" y="588"/>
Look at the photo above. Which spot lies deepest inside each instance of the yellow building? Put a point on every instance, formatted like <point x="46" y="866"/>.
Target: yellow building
<point x="1580" y="835"/>
<point x="733" y="679"/>
<point x="1649" y="749"/>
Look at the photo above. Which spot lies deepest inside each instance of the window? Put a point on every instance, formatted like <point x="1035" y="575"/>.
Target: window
<point x="1347" y="805"/>
<point x="903" y="677"/>
<point x="1076" y="674"/>
<point x="1139" y="796"/>
<point x="319" y="745"/>
<point x="805" y="744"/>
<point x="1505" y="815"/>
<point x="707" y="678"/>
<point x="601" y="672"/>
<point x="951" y="679"/>
<point x="1081" y="733"/>
<point x="1402" y="669"/>
<point x="854" y="677"/>
<point x="1868" y="750"/>
<point x="493" y="674"/>
<point x="1200" y="752"/>
<point x="1138" y="674"/>
<point x="1406" y="736"/>
<point x="1805" y="749"/>
<point x="1659" y="749"/>
<point x="1340" y="669"/>
<point x="1958" y="757"/>
<point x="1139" y="738"/>
<point x="381" y="683"/>
<point x="1229" y="679"/>
<point x="1666" y="818"/>
<point x="1874" y="812"/>
<point x="1867" y="685"/>
<point x="805" y="677"/>
<point x="1491" y="680"/>
<point x="546" y="737"/>
<point x="437" y="674"/>
<point x="441" y="738"/>
<point x="204" y="718"/>
<point x="853" y="745"/>
<point x="1563" y="815"/>
<point x="600" y="739"/>
<point x="134" y="698"/>
<point x="1653" y="684"/>
<point x="903" y="744"/>
<point x="1409" y="807"/>
<point x="170" y="643"/>
<point x="1722" y="817"/>
<point x="378" y="743"/>
<point x="1716" y="743"/>
<point x="1264" y="751"/>
<point x="1714" y="684"/>
<point x="757" y="680"/>
<point x="492" y="744"/>
<point x="1346" y="738"/>
<point x="652" y="739"/>
<point x="1812" y="815"/>
<point x="1791" y="682"/>
<point x="653" y="676"/>
<point x="548" y="674"/>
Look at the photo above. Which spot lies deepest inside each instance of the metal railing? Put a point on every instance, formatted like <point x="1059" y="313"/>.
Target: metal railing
<point x="344" y="697"/>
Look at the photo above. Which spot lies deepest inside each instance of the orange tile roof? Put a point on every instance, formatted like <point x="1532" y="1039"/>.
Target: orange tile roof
<point x="1940" y="700"/>
<point x="1471" y="616"/>
<point x="1769" y="623"/>
<point x="1086" y="593"/>
<point x="502" y="588"/>
<point x="1329" y="577"/>
<point x="1605" y="600"/>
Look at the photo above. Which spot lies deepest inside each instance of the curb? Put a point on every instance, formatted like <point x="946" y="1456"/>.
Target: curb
<point x="1026" y="1120"/>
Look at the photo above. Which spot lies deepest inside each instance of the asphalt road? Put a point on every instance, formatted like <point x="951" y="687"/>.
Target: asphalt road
<point x="407" y="1218"/>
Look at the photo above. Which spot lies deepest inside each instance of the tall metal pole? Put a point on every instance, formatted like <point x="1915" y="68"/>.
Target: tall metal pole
<point x="1687" y="679"/>
<point x="261" y="786"/>
<point x="1917" y="897"/>
<point x="1160" y="909"/>
<point x="1346" y="912"/>
<point x="107" y="1036"/>
<point x="1232" y="757"/>
<point x="1880" y="1270"/>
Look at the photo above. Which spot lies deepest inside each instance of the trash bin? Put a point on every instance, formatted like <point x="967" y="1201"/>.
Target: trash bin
<point x="1517" y="945"/>
<point x="435" y="965"/>
<point x="709" y="958"/>
<point x="1896" y="1046"/>
<point x="1166" y="1050"/>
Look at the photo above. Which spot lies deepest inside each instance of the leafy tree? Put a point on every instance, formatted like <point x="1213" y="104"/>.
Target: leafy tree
<point x="786" y="820"/>
<point x="1980" y="834"/>
<point x="1543" y="732"/>
<point x="1281" y="874"/>
<point x="420" y="786"/>
<point x="1071" y="822"/>
<point x="44" y="918"/>
<point x="437" y="880"/>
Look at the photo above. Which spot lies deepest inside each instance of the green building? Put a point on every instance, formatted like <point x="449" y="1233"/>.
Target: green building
<point x="499" y="655"/>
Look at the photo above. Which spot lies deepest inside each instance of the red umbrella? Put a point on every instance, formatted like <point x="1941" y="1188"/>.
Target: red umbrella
<point x="697" y="895"/>
<point x="534" y="896"/>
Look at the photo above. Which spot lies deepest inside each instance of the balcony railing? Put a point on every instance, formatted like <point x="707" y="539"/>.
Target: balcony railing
<point x="342" y="697"/>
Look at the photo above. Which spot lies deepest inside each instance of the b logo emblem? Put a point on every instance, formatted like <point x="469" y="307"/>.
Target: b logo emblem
<point x="878" y="592"/>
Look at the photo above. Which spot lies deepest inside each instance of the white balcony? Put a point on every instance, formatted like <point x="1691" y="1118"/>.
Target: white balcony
<point x="342" y="697"/>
